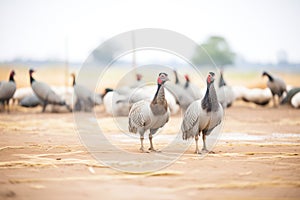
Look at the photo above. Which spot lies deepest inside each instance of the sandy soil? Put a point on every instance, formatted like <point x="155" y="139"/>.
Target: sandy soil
<point x="257" y="157"/>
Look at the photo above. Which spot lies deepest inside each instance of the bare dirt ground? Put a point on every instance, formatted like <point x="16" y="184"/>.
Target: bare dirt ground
<point x="42" y="157"/>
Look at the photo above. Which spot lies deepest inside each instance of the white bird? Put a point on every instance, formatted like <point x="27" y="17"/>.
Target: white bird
<point x="21" y="93"/>
<point x="45" y="93"/>
<point x="258" y="96"/>
<point x="239" y="92"/>
<point x="30" y="101"/>
<point x="144" y="115"/>
<point x="115" y="104"/>
<point x="296" y="100"/>
<point x="85" y="98"/>
<point x="202" y="115"/>
<point x="7" y="90"/>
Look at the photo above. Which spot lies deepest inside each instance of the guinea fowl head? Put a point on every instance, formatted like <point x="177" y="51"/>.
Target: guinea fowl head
<point x="139" y="77"/>
<point x="210" y="78"/>
<point x="162" y="78"/>
<point x="265" y="73"/>
<point x="73" y="76"/>
<point x="31" y="71"/>
<point x="268" y="75"/>
<point x="30" y="74"/>
<point x="187" y="78"/>
<point x="11" y="75"/>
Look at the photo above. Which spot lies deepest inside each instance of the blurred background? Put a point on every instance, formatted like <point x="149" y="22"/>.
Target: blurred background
<point x="242" y="36"/>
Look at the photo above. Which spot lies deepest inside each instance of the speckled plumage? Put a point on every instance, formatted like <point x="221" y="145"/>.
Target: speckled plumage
<point x="145" y="115"/>
<point x="202" y="116"/>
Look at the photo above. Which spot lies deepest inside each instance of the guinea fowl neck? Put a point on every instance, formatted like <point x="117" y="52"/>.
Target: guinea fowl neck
<point x="159" y="105"/>
<point x="187" y="83"/>
<point x="11" y="78"/>
<point x="176" y="78"/>
<point x="210" y="100"/>
<point x="222" y="81"/>
<point x="74" y="82"/>
<point x="31" y="78"/>
<point x="159" y="96"/>
<point x="269" y="76"/>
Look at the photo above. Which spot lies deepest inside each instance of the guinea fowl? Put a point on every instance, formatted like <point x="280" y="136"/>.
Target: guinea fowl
<point x="202" y="115"/>
<point x="276" y="85"/>
<point x="7" y="90"/>
<point x="86" y="99"/>
<point x="45" y="93"/>
<point x="183" y="98"/>
<point x="193" y="90"/>
<point x="153" y="115"/>
<point x="225" y="93"/>
<point x="139" y="82"/>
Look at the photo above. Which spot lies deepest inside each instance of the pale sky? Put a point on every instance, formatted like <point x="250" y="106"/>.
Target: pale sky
<point x="256" y="29"/>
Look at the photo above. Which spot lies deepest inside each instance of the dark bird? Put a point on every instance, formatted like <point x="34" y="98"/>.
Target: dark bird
<point x="276" y="85"/>
<point x="153" y="115"/>
<point x="7" y="90"/>
<point x="203" y="115"/>
<point x="45" y="93"/>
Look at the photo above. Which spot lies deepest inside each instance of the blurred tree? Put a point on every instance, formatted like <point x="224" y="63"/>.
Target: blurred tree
<point x="218" y="49"/>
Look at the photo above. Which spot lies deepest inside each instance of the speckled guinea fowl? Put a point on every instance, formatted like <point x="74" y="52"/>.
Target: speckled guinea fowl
<point x="7" y="90"/>
<point x="183" y="98"/>
<point x="153" y="115"/>
<point x="45" y="93"/>
<point x="202" y="115"/>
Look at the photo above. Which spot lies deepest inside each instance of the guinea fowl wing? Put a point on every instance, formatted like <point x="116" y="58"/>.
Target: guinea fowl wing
<point x="191" y="118"/>
<point x="139" y="115"/>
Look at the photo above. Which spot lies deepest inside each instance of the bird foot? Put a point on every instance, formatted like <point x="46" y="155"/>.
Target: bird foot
<point x="154" y="150"/>
<point x="207" y="151"/>
<point x="143" y="150"/>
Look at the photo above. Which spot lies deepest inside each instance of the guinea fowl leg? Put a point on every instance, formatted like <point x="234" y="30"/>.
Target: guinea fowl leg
<point x="44" y="106"/>
<point x="142" y="141"/>
<point x="196" y="140"/>
<point x="7" y="104"/>
<point x="274" y="102"/>
<point x="204" y="149"/>
<point x="152" y="132"/>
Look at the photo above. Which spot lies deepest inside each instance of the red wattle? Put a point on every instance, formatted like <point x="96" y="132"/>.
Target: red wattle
<point x="159" y="81"/>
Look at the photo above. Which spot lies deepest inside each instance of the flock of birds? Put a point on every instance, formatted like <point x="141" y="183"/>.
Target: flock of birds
<point x="149" y="107"/>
